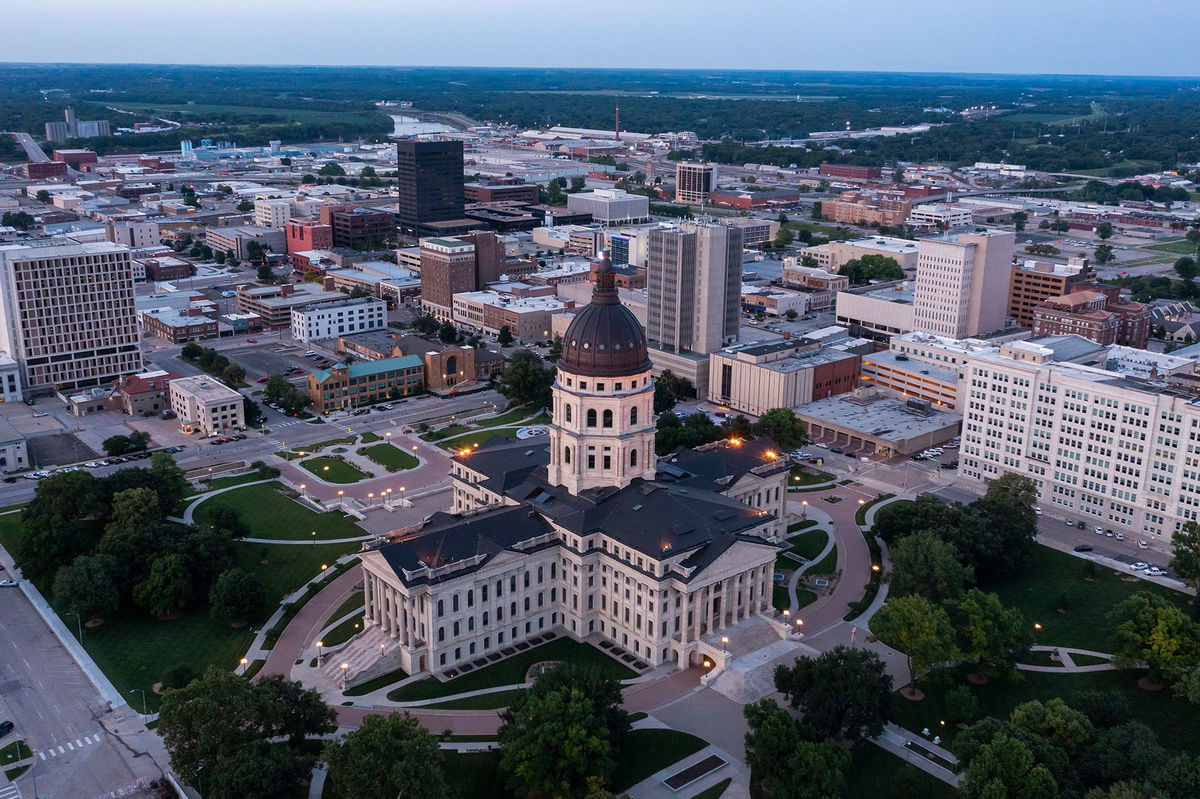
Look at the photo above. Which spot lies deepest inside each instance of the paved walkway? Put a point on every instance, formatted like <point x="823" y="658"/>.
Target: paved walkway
<point x="304" y="625"/>
<point x="364" y="464"/>
<point x="1068" y="663"/>
<point x="189" y="513"/>
<point x="824" y="526"/>
<point x="653" y="786"/>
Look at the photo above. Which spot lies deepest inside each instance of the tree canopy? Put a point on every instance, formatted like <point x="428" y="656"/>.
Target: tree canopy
<point x="843" y="692"/>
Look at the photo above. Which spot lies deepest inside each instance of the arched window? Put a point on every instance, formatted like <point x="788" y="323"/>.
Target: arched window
<point x="633" y="457"/>
<point x="566" y="454"/>
<point x="591" y="417"/>
<point x="608" y="418"/>
<point x="567" y="412"/>
<point x="633" y="415"/>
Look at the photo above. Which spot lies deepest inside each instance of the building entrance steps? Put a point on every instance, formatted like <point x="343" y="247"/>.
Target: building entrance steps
<point x="359" y="654"/>
<point x="748" y="635"/>
<point x="751" y="677"/>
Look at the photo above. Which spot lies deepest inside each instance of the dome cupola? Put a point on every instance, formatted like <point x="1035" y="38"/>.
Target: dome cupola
<point x="604" y="339"/>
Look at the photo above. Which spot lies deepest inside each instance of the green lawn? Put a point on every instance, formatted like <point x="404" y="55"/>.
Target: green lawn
<point x="472" y="775"/>
<point x="343" y="632"/>
<point x="508" y="417"/>
<point x="333" y="470"/>
<point x="283" y="569"/>
<point x="1049" y="574"/>
<point x="779" y="598"/>
<point x="382" y="681"/>
<point x="306" y="448"/>
<point x="646" y="752"/>
<point x="827" y="564"/>
<point x="354" y="602"/>
<point x="800" y="476"/>
<point x="481" y="702"/>
<point x="1179" y="247"/>
<point x="232" y="480"/>
<point x="804" y="597"/>
<point x="804" y="525"/>
<point x="860" y="516"/>
<point x="271" y="514"/>
<point x="17" y="750"/>
<point x="391" y="457"/>
<point x="882" y="775"/>
<point x="478" y="438"/>
<point x="1176" y="728"/>
<point x="369" y="438"/>
<point x="809" y="545"/>
<point x="511" y="671"/>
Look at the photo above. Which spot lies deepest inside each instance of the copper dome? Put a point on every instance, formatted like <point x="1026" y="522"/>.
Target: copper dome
<point x="604" y="339"/>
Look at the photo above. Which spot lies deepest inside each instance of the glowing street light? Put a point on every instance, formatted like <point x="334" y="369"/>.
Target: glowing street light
<point x="724" y="643"/>
<point x="320" y="654"/>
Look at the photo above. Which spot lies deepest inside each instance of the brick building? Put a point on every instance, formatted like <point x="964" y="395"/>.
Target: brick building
<point x="366" y="383"/>
<point x="850" y="171"/>
<point x="304" y="235"/>
<point x="355" y="226"/>
<point x="1034" y="282"/>
<point x="145" y="394"/>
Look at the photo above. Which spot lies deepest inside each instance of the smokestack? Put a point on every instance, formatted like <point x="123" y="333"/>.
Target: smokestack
<point x="617" y="123"/>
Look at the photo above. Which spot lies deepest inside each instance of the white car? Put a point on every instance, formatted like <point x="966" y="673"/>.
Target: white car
<point x="1139" y="566"/>
<point x="822" y="446"/>
<point x="1143" y="545"/>
<point x="93" y="464"/>
<point x="1038" y="511"/>
<point x="1099" y="530"/>
<point x="1154" y="571"/>
<point x="39" y="414"/>
<point x="8" y="583"/>
<point x="1120" y="536"/>
<point x="387" y="406"/>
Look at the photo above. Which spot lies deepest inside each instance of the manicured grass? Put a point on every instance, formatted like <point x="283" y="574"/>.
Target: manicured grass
<point x="470" y="775"/>
<point x="827" y="564"/>
<point x="10" y="530"/>
<point x="478" y="438"/>
<point x="1088" y="660"/>
<point x="508" y="417"/>
<point x="1180" y="247"/>
<point x="1176" y="728"/>
<point x="646" y="752"/>
<point x="809" y="545"/>
<point x="804" y="597"/>
<point x="881" y="775"/>
<point x="446" y="432"/>
<point x="804" y="525"/>
<point x="13" y="773"/>
<point x="382" y="681"/>
<point x="481" y="702"/>
<point x="1040" y="658"/>
<point x="369" y="438"/>
<point x="333" y="442"/>
<point x="779" y="598"/>
<point x="333" y="470"/>
<point x="1035" y="589"/>
<point x="353" y="602"/>
<point x="17" y="750"/>
<point x="343" y="632"/>
<point x="284" y="569"/>
<point x="860" y="516"/>
<point x="800" y="476"/>
<point x="231" y="480"/>
<point x="511" y="671"/>
<point x="390" y="457"/>
<point x="272" y="514"/>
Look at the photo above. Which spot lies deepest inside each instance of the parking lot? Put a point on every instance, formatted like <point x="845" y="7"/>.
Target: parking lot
<point x="269" y="354"/>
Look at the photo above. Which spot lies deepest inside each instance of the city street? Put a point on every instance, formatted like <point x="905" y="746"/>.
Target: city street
<point x="58" y="713"/>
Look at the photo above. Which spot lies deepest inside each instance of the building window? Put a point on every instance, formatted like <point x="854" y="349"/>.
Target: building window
<point x="633" y="415"/>
<point x="608" y="418"/>
<point x="441" y="608"/>
<point x="591" y="417"/>
<point x="567" y="411"/>
<point x="633" y="457"/>
<point x="566" y="454"/>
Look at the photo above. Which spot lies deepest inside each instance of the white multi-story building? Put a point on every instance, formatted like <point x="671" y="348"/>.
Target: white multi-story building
<point x="579" y="534"/>
<point x="939" y="216"/>
<point x="10" y="379"/>
<point x="203" y="404"/>
<point x="1119" y="450"/>
<point x="67" y="313"/>
<point x="136" y="235"/>
<point x="13" y="453"/>
<point x="962" y="283"/>
<point x="611" y="206"/>
<point x="273" y="213"/>
<point x="339" y="318"/>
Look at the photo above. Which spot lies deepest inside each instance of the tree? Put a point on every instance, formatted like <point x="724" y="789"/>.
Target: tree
<point x="1005" y="768"/>
<point x="1186" y="268"/>
<point x="919" y="629"/>
<point x="1019" y="219"/>
<point x="1180" y="777"/>
<point x="1057" y="722"/>
<point x="163" y="466"/>
<point x="969" y="743"/>
<point x="669" y="389"/>
<point x="737" y="426"/>
<point x="555" y="744"/>
<point x="235" y="597"/>
<point x="961" y="705"/>
<point x="782" y="426"/>
<point x="784" y="237"/>
<point x="505" y="337"/>
<point x="1103" y="254"/>
<point x="275" y="388"/>
<point x="1003" y="541"/>
<point x="116" y="445"/>
<point x="331" y="169"/>
<point x="425" y="324"/>
<point x="526" y="380"/>
<point x="784" y="762"/>
<point x="42" y="196"/>
<point x="1126" y="752"/>
<point x="245" y="206"/>
<point x="556" y="347"/>
<point x="264" y="274"/>
<point x="692" y="431"/>
<point x="843" y="692"/>
<point x="251" y="411"/>
<point x="447" y="333"/>
<point x="1103" y="709"/>
<point x="1185" y="553"/>
<point x="386" y="757"/>
<point x="259" y="771"/>
<point x="791" y="314"/>
<point x="89" y="586"/>
<point x="871" y="267"/>
<point x="992" y="636"/>
<point x="191" y="351"/>
<point x="1150" y="629"/>
<point x="125" y="479"/>
<point x="1104" y="231"/>
<point x="233" y="373"/>
<point x="926" y="565"/>
<point x="167" y="586"/>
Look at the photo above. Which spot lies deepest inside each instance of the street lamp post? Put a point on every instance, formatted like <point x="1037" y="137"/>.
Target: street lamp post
<point x="143" y="693"/>
<point x="320" y="653"/>
<point x="79" y="622"/>
<point x="242" y="664"/>
<point x="724" y="643"/>
<point x="344" y="667"/>
<point x="804" y="510"/>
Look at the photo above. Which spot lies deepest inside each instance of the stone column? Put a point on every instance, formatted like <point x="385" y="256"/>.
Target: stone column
<point x="405" y="614"/>
<point x="392" y="621"/>
<point x="368" y="610"/>
<point x="684" y="631"/>
<point x="764" y="599"/>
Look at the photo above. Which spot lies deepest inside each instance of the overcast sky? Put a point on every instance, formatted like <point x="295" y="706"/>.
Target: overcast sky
<point x="1147" y="37"/>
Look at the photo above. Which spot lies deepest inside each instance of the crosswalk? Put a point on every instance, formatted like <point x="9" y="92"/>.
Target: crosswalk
<point x="57" y="750"/>
<point x="10" y="792"/>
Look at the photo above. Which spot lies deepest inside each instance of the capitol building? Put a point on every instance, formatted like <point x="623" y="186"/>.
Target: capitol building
<point x="582" y="533"/>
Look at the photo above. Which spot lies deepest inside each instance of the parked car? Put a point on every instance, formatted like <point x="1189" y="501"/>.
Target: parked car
<point x="1082" y="525"/>
<point x="39" y="414"/>
<point x="251" y="341"/>
<point x="1120" y="536"/>
<point x="1139" y="566"/>
<point x="387" y="406"/>
<point x="262" y="380"/>
<point x="1070" y="522"/>
<point x="836" y="450"/>
<point x="8" y="583"/>
<point x="310" y="353"/>
<point x="1038" y="511"/>
<point x="1143" y="545"/>
<point x="1109" y="533"/>
<point x="1099" y="530"/>
<point x="822" y="445"/>
<point x="5" y="727"/>
<point x="1084" y="548"/>
<point x="240" y="437"/>
<point x="949" y="465"/>
<point x="1154" y="571"/>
